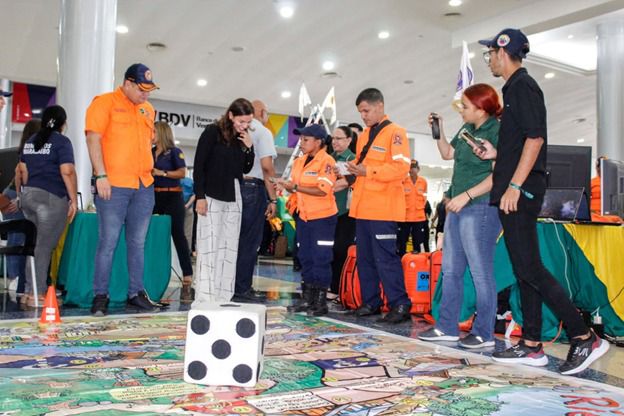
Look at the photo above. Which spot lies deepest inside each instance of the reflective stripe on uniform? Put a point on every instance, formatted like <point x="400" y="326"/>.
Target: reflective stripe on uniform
<point x="326" y="180"/>
<point x="400" y="156"/>
<point x="385" y="236"/>
<point x="324" y="243"/>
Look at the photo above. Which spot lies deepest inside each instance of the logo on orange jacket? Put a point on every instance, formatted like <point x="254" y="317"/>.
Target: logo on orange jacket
<point x="397" y="141"/>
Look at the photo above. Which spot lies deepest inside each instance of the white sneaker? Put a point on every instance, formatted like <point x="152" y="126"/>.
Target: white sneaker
<point x="13" y="285"/>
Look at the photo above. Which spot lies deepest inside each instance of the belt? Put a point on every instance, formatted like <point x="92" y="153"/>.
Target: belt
<point x="254" y="180"/>
<point x="174" y="189"/>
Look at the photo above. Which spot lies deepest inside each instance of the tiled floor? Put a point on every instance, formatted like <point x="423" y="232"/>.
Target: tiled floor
<point x="276" y="278"/>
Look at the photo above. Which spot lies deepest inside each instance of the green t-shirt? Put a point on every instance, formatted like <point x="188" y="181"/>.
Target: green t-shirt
<point x="468" y="169"/>
<point x="341" y="197"/>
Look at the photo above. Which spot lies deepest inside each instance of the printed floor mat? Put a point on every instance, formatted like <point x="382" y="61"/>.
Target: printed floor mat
<point x="133" y="365"/>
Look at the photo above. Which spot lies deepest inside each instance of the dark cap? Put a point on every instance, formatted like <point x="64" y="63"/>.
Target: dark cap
<point x="142" y="76"/>
<point x="313" y="130"/>
<point x="512" y="40"/>
<point x="5" y="93"/>
<point x="414" y="164"/>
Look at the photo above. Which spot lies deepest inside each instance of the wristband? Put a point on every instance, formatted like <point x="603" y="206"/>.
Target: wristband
<point x="272" y="201"/>
<point x="469" y="196"/>
<point x="295" y="188"/>
<point x="101" y="176"/>
<point x="518" y="187"/>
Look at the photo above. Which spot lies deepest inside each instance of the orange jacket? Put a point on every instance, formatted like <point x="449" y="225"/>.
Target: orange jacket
<point x="415" y="199"/>
<point x="596" y="207"/>
<point x="319" y="173"/>
<point x="127" y="130"/>
<point x="379" y="195"/>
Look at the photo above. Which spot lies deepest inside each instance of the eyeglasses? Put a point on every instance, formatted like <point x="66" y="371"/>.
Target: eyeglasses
<point x="339" y="138"/>
<point x="487" y="55"/>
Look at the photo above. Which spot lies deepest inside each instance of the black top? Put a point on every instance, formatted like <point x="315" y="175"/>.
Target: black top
<point x="524" y="116"/>
<point x="217" y="164"/>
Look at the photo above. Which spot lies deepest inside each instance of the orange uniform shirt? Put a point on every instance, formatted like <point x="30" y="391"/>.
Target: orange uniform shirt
<point x="595" y="204"/>
<point x="379" y="195"/>
<point x="319" y="172"/>
<point x="127" y="130"/>
<point x="415" y="199"/>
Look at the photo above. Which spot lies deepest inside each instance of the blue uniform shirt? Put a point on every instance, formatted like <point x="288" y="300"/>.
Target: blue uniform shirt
<point x="44" y="165"/>
<point x="172" y="159"/>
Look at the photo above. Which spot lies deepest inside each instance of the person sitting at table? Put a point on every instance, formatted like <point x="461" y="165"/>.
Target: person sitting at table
<point x="596" y="199"/>
<point x="169" y="168"/>
<point x="224" y="152"/>
<point x="48" y="195"/>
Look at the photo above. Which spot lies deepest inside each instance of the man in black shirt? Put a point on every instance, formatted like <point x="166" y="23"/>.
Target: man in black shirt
<point x="519" y="183"/>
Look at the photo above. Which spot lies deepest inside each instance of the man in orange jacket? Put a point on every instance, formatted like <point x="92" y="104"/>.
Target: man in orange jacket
<point x="377" y="204"/>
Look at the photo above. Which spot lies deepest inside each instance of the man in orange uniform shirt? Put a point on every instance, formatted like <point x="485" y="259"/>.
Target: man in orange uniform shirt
<point x="416" y="224"/>
<point x="377" y="204"/>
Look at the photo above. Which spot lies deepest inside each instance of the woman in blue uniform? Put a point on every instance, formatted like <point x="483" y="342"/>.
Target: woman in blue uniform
<point x="169" y="168"/>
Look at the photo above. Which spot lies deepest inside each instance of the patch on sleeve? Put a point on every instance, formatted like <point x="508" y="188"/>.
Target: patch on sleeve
<point x="328" y="169"/>
<point x="397" y="140"/>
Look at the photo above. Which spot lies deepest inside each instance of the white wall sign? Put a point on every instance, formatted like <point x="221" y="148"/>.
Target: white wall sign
<point x="187" y="120"/>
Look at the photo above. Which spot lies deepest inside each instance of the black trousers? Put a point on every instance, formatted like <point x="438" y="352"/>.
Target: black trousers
<point x="172" y="204"/>
<point x="345" y="236"/>
<point x="420" y="235"/>
<point x="537" y="285"/>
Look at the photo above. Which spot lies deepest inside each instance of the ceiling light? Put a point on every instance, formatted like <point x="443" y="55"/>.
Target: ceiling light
<point x="570" y="36"/>
<point x="328" y="65"/>
<point x="176" y="141"/>
<point x="286" y="12"/>
<point x="36" y="111"/>
<point x="549" y="75"/>
<point x="121" y="29"/>
<point x="455" y="3"/>
<point x="202" y="82"/>
<point x="384" y="34"/>
<point x="580" y="140"/>
<point x="471" y="55"/>
<point x="286" y="94"/>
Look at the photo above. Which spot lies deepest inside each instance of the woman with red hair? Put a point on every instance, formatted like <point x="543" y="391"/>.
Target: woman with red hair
<point x="472" y="225"/>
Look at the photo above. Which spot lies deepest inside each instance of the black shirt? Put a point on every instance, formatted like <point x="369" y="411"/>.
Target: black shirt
<point x="217" y="164"/>
<point x="524" y="116"/>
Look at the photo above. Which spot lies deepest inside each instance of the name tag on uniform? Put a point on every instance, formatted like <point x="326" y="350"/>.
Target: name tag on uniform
<point x="379" y="149"/>
<point x="310" y="173"/>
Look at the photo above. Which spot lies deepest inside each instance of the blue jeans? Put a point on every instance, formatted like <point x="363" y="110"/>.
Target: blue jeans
<point x="254" y="196"/>
<point x="469" y="239"/>
<point x="316" y="250"/>
<point x="378" y="261"/>
<point x="132" y="207"/>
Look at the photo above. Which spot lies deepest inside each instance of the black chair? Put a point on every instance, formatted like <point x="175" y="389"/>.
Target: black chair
<point x="27" y="249"/>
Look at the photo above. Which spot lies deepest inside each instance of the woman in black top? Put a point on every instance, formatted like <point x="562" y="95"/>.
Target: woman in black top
<point x="224" y="152"/>
<point x="169" y="168"/>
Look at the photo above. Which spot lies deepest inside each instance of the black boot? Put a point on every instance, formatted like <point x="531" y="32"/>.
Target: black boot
<point x="319" y="303"/>
<point x="307" y="294"/>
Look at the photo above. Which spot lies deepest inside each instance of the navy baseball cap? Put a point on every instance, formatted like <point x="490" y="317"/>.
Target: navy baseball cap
<point x="313" y="130"/>
<point x="142" y="76"/>
<point x="5" y="93"/>
<point x="512" y="40"/>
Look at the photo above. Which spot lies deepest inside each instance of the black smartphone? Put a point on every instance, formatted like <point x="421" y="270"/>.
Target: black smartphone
<point x="472" y="141"/>
<point x="435" y="126"/>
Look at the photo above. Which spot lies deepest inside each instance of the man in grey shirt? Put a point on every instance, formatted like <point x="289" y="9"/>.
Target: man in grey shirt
<point x="259" y="202"/>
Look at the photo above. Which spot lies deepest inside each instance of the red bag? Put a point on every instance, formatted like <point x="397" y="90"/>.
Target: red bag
<point x="416" y="271"/>
<point x="350" y="292"/>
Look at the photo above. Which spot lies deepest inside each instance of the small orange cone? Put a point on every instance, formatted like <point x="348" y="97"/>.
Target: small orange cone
<point x="50" y="314"/>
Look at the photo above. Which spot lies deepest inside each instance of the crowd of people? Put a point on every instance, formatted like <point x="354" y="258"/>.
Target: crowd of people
<point x="366" y="191"/>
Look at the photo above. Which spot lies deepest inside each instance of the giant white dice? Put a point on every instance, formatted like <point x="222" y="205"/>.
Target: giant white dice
<point x="225" y="344"/>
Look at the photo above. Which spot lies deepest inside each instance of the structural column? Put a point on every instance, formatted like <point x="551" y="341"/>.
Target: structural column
<point x="86" y="65"/>
<point x="610" y="96"/>
<point x="5" y="117"/>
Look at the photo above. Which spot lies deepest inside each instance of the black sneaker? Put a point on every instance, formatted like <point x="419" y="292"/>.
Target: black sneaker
<point x="251" y="296"/>
<point x="397" y="315"/>
<point x="141" y="302"/>
<point x="434" y="334"/>
<point x="99" y="307"/>
<point x="475" y="341"/>
<point x="582" y="353"/>
<point x="522" y="354"/>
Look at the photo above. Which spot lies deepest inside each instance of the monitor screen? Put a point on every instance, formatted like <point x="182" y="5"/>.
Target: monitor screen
<point x="612" y="187"/>
<point x="8" y="160"/>
<point x="569" y="167"/>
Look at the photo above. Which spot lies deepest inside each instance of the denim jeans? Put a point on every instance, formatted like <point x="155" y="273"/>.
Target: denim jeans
<point x="254" y="197"/>
<point x="536" y="283"/>
<point x="132" y="207"/>
<point x="469" y="240"/>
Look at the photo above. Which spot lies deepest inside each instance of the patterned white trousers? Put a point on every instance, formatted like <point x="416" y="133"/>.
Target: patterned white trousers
<point x="217" y="249"/>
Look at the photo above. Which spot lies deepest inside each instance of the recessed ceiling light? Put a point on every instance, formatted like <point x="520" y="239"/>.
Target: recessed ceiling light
<point x="471" y="55"/>
<point x="580" y="140"/>
<point x="384" y="34"/>
<point x="202" y="82"/>
<point x="286" y="94"/>
<point x="549" y="75"/>
<point x="455" y="3"/>
<point x="328" y="65"/>
<point x="36" y="111"/>
<point x="121" y="29"/>
<point x="570" y="36"/>
<point x="286" y="12"/>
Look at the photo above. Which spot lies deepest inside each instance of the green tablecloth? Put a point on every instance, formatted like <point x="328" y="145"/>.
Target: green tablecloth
<point x="77" y="262"/>
<point x="566" y="261"/>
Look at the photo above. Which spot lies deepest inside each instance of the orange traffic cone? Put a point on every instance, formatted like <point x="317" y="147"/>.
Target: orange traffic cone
<point x="50" y="314"/>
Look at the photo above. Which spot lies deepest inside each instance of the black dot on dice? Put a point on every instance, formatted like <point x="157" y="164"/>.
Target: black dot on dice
<point x="200" y="324"/>
<point x="245" y="328"/>
<point x="197" y="370"/>
<point x="242" y="373"/>
<point x="221" y="349"/>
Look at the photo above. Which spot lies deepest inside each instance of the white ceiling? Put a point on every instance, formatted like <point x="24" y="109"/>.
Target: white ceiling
<point x="280" y="54"/>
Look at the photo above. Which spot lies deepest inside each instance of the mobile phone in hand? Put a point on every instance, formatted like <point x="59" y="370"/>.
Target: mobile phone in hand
<point x="470" y="139"/>
<point x="435" y="126"/>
